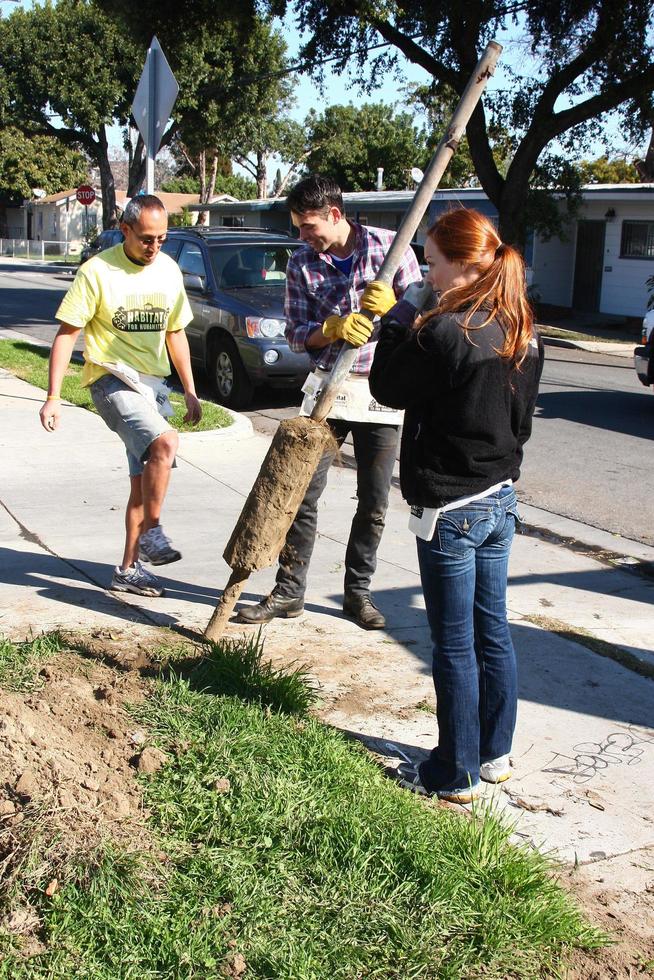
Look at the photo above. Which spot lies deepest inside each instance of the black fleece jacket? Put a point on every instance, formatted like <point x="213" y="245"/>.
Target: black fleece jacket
<point x="468" y="411"/>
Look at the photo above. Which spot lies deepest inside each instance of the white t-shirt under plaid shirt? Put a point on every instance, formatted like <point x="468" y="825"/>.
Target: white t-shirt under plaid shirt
<point x="316" y="289"/>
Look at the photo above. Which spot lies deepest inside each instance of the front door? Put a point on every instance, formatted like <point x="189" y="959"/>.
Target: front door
<point x="589" y="263"/>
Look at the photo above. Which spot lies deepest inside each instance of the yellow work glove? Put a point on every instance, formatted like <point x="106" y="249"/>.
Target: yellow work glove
<point x="355" y="328"/>
<point x="378" y="297"/>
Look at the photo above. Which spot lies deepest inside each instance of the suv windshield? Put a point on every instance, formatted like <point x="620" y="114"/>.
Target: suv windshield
<point x="245" y="266"/>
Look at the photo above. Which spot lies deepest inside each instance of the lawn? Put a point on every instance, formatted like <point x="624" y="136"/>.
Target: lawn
<point x="30" y="363"/>
<point x="282" y="851"/>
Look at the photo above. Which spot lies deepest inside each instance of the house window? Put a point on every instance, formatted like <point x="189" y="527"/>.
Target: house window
<point x="637" y="240"/>
<point x="233" y="221"/>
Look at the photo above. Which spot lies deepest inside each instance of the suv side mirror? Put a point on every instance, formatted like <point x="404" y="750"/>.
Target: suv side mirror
<point x="194" y="282"/>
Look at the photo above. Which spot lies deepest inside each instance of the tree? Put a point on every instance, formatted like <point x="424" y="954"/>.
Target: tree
<point x="350" y="144"/>
<point x="58" y="85"/>
<point x="264" y="129"/>
<point x="234" y="93"/>
<point x="239" y="187"/>
<point x="74" y="91"/>
<point x="606" y="171"/>
<point x="37" y="161"/>
<point x="589" y="59"/>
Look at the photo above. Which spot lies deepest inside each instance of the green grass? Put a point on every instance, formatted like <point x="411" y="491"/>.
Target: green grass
<point x="309" y="863"/>
<point x="30" y="363"/>
<point x="21" y="662"/>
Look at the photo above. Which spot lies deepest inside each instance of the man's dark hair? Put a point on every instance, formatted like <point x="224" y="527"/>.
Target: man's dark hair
<point x="142" y="202"/>
<point x="315" y="193"/>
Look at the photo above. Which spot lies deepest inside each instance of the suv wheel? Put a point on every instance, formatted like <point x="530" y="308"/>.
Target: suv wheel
<point x="230" y="380"/>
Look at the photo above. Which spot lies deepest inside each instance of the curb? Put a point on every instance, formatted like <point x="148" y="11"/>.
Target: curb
<point x="241" y="428"/>
<point x="616" y="349"/>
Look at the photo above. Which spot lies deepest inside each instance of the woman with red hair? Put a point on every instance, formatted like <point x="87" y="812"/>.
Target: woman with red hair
<point x="467" y="374"/>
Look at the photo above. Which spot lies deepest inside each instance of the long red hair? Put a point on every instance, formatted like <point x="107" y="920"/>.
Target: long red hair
<point x="500" y="291"/>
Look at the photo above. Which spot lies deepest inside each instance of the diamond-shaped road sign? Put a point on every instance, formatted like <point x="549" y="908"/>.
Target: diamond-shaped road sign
<point x="155" y="97"/>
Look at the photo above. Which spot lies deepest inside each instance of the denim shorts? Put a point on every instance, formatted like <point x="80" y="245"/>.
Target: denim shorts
<point x="132" y="416"/>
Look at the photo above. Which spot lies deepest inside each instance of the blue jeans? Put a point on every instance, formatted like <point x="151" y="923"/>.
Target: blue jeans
<point x="464" y="570"/>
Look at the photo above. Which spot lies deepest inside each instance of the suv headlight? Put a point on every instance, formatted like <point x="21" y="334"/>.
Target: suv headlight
<point x="264" y="326"/>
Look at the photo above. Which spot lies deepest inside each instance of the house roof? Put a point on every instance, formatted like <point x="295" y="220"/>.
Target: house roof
<point x="55" y="198"/>
<point x="173" y="203"/>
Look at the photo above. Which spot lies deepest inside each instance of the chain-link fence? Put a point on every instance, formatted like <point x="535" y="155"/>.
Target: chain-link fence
<point x="23" y="248"/>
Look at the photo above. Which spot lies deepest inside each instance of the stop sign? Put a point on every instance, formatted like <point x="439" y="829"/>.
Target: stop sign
<point x="85" y="195"/>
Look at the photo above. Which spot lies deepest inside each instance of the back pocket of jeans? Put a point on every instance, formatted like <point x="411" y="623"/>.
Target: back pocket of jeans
<point x="457" y="532"/>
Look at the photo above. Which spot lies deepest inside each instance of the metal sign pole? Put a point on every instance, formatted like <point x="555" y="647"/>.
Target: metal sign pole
<point x="151" y="148"/>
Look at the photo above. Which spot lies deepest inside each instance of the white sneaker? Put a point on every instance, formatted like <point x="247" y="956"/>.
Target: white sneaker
<point x="496" y="771"/>
<point x="135" y="579"/>
<point x="156" y="548"/>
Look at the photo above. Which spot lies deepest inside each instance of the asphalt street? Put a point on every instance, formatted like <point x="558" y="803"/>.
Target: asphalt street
<point x="590" y="456"/>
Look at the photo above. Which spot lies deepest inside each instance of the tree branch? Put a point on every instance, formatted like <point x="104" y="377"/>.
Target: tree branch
<point x="66" y="135"/>
<point x="292" y="170"/>
<point x="414" y="52"/>
<point x="246" y="164"/>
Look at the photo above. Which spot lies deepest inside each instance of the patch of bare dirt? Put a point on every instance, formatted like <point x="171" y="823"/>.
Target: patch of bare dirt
<point x="69" y="754"/>
<point x="624" y="909"/>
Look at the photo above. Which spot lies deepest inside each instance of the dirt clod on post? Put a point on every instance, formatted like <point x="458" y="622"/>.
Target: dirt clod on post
<point x="278" y="491"/>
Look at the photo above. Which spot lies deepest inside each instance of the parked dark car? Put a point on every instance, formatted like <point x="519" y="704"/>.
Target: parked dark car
<point x="106" y="239"/>
<point x="235" y="279"/>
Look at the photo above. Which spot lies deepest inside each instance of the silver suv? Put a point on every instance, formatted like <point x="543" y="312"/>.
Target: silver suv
<point x="644" y="356"/>
<point x="235" y="280"/>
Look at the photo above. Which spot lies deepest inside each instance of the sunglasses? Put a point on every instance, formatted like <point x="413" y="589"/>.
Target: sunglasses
<point x="151" y="239"/>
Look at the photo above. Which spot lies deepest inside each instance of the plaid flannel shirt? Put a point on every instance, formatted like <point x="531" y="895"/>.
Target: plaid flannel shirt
<point x="316" y="289"/>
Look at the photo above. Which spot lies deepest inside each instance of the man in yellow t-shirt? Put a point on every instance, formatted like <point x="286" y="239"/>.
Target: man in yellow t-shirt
<point x="131" y="304"/>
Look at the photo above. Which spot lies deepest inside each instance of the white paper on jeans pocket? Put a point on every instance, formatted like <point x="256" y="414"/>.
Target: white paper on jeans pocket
<point x="129" y="376"/>
<point x="422" y="522"/>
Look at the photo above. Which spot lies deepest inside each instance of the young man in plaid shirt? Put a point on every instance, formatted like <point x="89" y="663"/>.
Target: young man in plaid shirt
<point x="328" y="282"/>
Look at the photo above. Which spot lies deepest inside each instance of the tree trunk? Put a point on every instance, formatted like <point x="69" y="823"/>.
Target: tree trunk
<point x="207" y="188"/>
<point x="298" y="163"/>
<point x="512" y="223"/>
<point x="645" y="167"/>
<point x="211" y="187"/>
<point x="262" y="179"/>
<point x="106" y="178"/>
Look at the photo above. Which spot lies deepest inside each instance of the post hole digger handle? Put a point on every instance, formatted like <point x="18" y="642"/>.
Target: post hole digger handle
<point x="421" y="199"/>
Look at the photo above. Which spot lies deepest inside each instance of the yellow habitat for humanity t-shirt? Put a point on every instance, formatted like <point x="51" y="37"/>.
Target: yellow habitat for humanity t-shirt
<point x="125" y="311"/>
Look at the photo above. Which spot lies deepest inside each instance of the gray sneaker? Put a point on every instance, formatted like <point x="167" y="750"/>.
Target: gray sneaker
<point x="156" y="548"/>
<point x="135" y="579"/>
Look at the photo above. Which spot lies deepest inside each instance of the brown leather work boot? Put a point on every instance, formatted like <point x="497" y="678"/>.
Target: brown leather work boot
<point x="270" y="607"/>
<point x="363" y="611"/>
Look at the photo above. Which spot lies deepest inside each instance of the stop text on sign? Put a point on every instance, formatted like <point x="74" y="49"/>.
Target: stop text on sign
<point x="85" y="195"/>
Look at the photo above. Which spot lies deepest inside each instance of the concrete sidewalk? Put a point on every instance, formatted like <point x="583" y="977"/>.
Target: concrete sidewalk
<point x="584" y="748"/>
